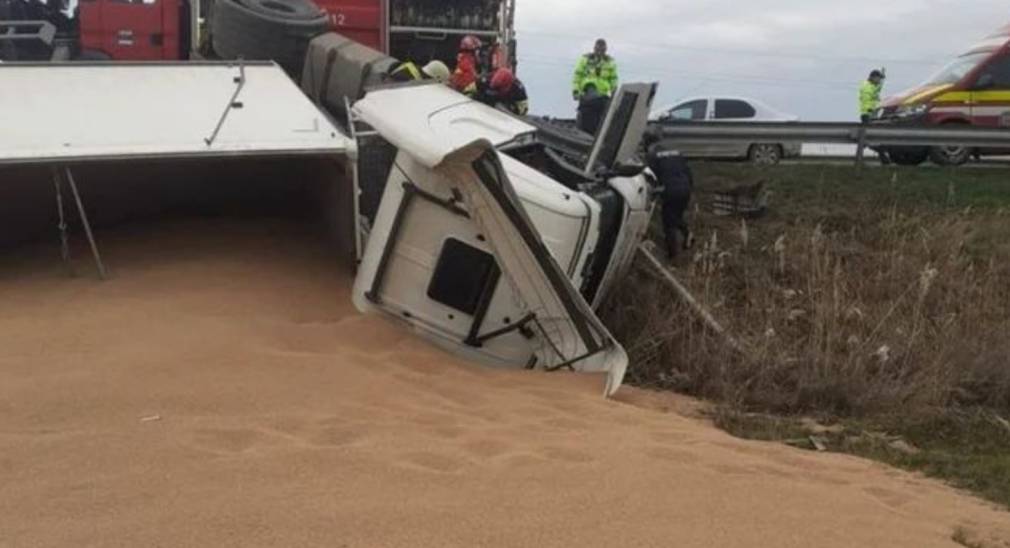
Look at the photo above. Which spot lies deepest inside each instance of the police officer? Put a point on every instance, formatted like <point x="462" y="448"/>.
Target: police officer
<point x="595" y="81"/>
<point x="869" y="103"/>
<point x="410" y="72"/>
<point x="675" y="181"/>
<point x="869" y="95"/>
<point x="501" y="88"/>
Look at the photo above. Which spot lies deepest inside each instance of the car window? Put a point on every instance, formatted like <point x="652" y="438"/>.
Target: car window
<point x="999" y="69"/>
<point x="694" y="110"/>
<point x="732" y="108"/>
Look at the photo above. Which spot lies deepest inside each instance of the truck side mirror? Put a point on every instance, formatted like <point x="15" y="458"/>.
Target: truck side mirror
<point x="986" y="81"/>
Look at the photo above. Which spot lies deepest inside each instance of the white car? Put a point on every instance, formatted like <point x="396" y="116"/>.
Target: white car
<point x="728" y="109"/>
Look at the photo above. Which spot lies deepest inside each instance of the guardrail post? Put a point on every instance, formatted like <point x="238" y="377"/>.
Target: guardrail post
<point x="861" y="151"/>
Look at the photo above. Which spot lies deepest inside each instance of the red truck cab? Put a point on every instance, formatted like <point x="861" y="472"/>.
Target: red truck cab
<point x="135" y="30"/>
<point x="422" y="31"/>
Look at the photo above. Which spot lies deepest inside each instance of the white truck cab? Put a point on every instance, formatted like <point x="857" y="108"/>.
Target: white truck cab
<point x="477" y="247"/>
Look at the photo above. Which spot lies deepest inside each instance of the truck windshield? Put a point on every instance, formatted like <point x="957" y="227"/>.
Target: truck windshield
<point x="957" y="69"/>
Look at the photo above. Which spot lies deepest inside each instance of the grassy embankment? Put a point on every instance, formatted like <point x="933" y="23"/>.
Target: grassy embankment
<point x="879" y="307"/>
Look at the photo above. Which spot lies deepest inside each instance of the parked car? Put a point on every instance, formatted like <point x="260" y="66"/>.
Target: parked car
<point x="729" y="109"/>
<point x="971" y="90"/>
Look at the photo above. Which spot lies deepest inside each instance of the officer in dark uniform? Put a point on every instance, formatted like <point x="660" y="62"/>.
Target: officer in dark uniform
<point x="675" y="183"/>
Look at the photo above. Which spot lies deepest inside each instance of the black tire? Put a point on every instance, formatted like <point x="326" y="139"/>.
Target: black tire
<point x="92" y="55"/>
<point x="765" y="154"/>
<point x="908" y="156"/>
<point x="267" y="30"/>
<point x="950" y="156"/>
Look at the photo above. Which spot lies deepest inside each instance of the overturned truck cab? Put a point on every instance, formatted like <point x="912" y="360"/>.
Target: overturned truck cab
<point x="477" y="247"/>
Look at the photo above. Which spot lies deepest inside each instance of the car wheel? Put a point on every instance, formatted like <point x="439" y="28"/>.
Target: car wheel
<point x="765" y="154"/>
<point x="950" y="156"/>
<point x="269" y="30"/>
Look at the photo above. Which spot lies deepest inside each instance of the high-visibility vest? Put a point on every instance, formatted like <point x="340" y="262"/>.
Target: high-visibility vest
<point x="869" y="97"/>
<point x="406" y="72"/>
<point x="599" y="72"/>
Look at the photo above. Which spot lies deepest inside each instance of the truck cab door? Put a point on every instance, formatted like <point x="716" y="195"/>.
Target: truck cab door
<point x="620" y="135"/>
<point x="130" y="30"/>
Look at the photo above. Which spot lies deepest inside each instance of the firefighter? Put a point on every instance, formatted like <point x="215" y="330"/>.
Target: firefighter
<point x="594" y="83"/>
<point x="467" y="63"/>
<point x="501" y="88"/>
<point x="869" y="103"/>
<point x="409" y="72"/>
<point x="675" y="184"/>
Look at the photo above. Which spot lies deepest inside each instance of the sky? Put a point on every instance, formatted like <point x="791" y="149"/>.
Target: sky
<point x="803" y="57"/>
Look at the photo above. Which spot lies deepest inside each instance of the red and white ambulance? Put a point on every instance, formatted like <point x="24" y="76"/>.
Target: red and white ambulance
<point x="973" y="89"/>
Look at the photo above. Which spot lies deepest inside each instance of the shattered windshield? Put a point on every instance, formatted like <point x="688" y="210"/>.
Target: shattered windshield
<point x="957" y="69"/>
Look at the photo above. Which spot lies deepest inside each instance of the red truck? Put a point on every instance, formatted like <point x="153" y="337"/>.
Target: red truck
<point x="143" y="30"/>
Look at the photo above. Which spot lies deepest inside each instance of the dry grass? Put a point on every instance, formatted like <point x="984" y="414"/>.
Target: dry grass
<point x="851" y="304"/>
<point x="881" y="306"/>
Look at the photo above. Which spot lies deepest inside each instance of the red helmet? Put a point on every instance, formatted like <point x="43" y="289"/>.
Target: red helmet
<point x="502" y="80"/>
<point x="470" y="43"/>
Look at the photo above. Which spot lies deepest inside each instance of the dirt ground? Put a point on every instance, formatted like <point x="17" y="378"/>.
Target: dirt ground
<point x="221" y="390"/>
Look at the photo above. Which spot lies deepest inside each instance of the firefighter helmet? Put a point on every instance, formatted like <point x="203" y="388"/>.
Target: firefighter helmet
<point x="502" y="80"/>
<point x="438" y="71"/>
<point x="470" y="43"/>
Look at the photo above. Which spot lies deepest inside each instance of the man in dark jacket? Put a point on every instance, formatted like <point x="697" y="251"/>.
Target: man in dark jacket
<point x="676" y="183"/>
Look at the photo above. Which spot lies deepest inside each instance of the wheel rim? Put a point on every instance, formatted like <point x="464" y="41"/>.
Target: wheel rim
<point x="766" y="154"/>
<point x="954" y="153"/>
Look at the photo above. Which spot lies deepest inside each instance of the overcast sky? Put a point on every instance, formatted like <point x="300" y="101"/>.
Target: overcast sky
<point x="803" y="57"/>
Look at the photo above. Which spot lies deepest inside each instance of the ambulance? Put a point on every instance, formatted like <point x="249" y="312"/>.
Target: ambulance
<point x="973" y="89"/>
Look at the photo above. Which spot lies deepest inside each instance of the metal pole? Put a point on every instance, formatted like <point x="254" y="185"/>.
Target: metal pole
<point x="232" y="103"/>
<point x="62" y="226"/>
<point x="685" y="295"/>
<point x="87" y="226"/>
<point x="861" y="151"/>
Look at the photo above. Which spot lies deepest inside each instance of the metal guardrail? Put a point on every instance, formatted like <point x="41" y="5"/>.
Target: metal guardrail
<point x="837" y="133"/>
<point x="561" y="134"/>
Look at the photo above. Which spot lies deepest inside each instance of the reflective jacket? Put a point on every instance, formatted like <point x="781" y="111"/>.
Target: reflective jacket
<point x="406" y="72"/>
<point x="465" y="73"/>
<point x="869" y="97"/>
<point x="600" y="72"/>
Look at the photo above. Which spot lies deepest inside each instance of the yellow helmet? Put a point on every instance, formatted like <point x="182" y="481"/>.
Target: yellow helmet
<point x="437" y="70"/>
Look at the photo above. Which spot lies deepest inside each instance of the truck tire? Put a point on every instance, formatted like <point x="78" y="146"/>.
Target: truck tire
<point x="908" y="156"/>
<point x="267" y="30"/>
